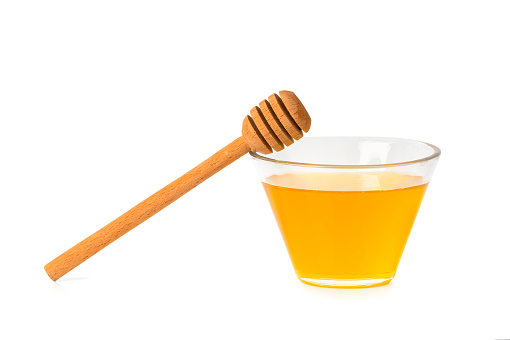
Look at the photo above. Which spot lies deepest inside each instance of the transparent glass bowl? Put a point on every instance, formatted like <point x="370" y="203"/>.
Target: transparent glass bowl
<point x="345" y="205"/>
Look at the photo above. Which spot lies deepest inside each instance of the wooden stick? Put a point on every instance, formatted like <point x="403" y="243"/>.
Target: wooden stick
<point x="145" y="209"/>
<point x="256" y="132"/>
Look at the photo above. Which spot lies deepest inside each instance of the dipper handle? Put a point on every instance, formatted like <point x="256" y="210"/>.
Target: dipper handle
<point x="145" y="209"/>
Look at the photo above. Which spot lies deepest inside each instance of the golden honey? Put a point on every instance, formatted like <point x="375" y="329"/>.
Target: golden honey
<point x="345" y="229"/>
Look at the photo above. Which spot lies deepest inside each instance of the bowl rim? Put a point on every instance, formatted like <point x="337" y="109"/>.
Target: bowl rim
<point x="436" y="152"/>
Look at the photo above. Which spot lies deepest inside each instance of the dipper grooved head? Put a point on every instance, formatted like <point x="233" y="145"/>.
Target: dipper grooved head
<point x="278" y="121"/>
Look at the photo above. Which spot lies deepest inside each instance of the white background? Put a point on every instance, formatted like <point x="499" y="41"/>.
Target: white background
<point x="103" y="103"/>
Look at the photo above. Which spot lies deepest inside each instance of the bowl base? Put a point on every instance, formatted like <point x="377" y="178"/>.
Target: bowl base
<point x="332" y="283"/>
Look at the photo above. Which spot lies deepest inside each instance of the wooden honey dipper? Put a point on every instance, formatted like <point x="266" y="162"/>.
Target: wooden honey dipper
<point x="276" y="122"/>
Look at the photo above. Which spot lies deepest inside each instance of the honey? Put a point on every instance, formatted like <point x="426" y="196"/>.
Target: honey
<point x="345" y="227"/>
